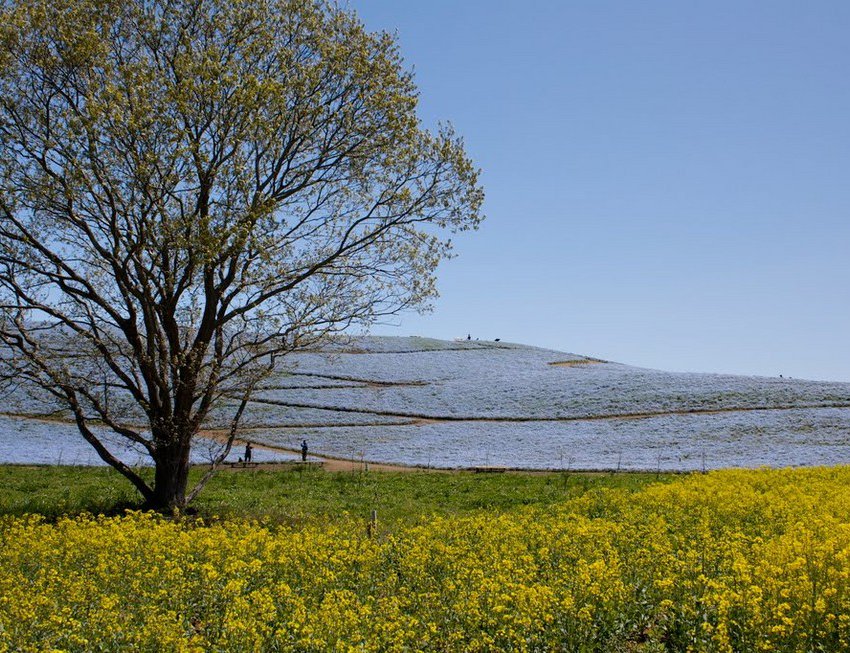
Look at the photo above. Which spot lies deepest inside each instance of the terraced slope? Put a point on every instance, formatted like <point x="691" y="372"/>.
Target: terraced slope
<point x="469" y="403"/>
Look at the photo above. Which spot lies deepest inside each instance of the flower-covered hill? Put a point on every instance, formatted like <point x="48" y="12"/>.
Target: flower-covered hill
<point x="474" y="403"/>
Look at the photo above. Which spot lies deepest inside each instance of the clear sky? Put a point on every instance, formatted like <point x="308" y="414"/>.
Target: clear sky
<point x="668" y="183"/>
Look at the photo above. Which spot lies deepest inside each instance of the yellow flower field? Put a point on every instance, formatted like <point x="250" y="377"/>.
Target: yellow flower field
<point x="729" y="561"/>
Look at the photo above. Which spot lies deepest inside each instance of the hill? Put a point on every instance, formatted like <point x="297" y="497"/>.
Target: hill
<point x="469" y="403"/>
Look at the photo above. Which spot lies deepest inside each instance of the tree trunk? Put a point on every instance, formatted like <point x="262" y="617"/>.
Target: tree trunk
<point x="171" y="475"/>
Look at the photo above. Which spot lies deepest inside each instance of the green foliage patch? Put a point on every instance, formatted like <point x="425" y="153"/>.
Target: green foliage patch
<point x="306" y="494"/>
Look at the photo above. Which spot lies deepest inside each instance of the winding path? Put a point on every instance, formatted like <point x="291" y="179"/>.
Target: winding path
<point x="424" y="418"/>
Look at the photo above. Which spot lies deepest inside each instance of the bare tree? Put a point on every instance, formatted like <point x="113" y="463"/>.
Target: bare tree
<point x="191" y="189"/>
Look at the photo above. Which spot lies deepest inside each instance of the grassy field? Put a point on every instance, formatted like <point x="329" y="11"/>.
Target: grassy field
<point x="306" y="494"/>
<point x="733" y="560"/>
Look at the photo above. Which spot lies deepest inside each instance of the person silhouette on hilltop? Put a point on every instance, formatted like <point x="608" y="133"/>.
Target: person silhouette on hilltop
<point x="248" y="452"/>
<point x="303" y="451"/>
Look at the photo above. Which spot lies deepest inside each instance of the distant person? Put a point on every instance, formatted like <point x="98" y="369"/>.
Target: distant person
<point x="303" y="451"/>
<point x="249" y="450"/>
<point x="469" y="336"/>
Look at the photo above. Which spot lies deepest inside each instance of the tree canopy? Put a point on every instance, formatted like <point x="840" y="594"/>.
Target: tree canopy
<point x="191" y="189"/>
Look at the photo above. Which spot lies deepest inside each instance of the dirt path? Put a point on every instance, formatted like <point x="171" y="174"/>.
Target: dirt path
<point x="337" y="465"/>
<point x="328" y="463"/>
<point x="420" y="418"/>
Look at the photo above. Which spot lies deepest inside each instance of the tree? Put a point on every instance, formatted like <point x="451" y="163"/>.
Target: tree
<point x="192" y="189"/>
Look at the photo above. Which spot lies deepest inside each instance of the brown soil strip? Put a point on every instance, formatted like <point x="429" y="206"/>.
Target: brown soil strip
<point x="49" y="418"/>
<point x="329" y="463"/>
<point x="422" y="421"/>
<point x="414" y="419"/>
<point x="577" y="418"/>
<point x="59" y="419"/>
<point x="402" y="421"/>
<point x="321" y="425"/>
<point x="353" y="379"/>
<point x="577" y="363"/>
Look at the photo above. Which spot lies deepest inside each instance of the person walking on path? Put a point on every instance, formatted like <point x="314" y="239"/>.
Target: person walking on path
<point x="248" y="450"/>
<point x="303" y="451"/>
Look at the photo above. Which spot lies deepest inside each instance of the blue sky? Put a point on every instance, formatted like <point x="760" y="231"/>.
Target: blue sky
<point x="667" y="182"/>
